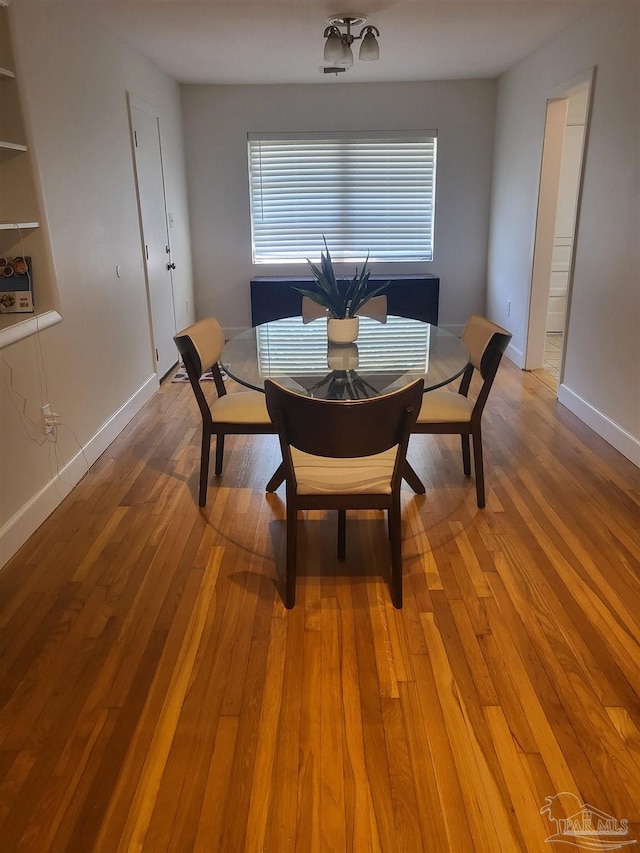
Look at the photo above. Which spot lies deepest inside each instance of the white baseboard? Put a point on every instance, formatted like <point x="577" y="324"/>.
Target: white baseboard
<point x="612" y="432"/>
<point x="26" y="521"/>
<point x="515" y="355"/>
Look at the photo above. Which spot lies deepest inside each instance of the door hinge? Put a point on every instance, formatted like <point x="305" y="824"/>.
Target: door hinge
<point x="157" y="355"/>
<point x="135" y="138"/>
<point x="146" y="251"/>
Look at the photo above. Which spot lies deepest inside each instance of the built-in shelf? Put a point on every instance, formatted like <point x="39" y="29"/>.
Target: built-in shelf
<point x="13" y="146"/>
<point x="18" y="226"/>
<point x="24" y="328"/>
<point x="21" y="214"/>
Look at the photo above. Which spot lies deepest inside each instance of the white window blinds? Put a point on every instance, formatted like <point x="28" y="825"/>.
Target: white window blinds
<point x="366" y="193"/>
<point x="406" y="350"/>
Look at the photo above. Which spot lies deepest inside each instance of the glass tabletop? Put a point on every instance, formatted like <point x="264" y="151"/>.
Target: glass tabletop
<point x="386" y="356"/>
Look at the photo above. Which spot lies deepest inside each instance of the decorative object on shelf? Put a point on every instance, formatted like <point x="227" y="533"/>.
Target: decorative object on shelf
<point x="337" y="47"/>
<point x="19" y="266"/>
<point x="340" y="297"/>
<point x="16" y="295"/>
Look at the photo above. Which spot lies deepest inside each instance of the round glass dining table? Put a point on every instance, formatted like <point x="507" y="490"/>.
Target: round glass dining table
<point x="387" y="355"/>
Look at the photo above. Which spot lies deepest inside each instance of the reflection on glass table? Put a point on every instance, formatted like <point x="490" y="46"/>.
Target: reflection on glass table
<point x="386" y="356"/>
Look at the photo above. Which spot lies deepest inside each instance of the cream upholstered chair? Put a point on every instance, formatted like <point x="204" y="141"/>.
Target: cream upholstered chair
<point x="376" y="308"/>
<point x="311" y="310"/>
<point x="444" y="412"/>
<point x="344" y="455"/>
<point x="239" y="413"/>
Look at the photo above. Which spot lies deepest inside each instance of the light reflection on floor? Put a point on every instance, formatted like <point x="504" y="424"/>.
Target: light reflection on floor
<point x="553" y="354"/>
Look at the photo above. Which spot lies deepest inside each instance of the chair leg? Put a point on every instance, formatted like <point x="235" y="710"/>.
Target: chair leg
<point x="277" y="479"/>
<point x="410" y="477"/>
<point x="292" y="546"/>
<point x="219" y="453"/>
<point x="396" y="557"/>
<point x="204" y="466"/>
<point x="342" y="534"/>
<point x="466" y="455"/>
<point x="479" y="468"/>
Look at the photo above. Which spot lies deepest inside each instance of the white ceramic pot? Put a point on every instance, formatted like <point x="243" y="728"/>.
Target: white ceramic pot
<point x="342" y="356"/>
<point x="342" y="331"/>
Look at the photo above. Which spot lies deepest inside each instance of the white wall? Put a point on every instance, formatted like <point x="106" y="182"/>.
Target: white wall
<point x="95" y="367"/>
<point x="602" y="363"/>
<point x="218" y="118"/>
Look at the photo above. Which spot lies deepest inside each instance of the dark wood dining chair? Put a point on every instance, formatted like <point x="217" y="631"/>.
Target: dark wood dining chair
<point x="238" y="413"/>
<point x="376" y="308"/>
<point x="344" y="455"/>
<point x="311" y="310"/>
<point x="444" y="412"/>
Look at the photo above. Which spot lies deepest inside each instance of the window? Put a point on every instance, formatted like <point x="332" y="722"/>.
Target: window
<point x="366" y="193"/>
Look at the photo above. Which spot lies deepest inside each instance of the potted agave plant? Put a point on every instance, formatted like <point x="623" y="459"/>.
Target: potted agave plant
<point x="342" y="298"/>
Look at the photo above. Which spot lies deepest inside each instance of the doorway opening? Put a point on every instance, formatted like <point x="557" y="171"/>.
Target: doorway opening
<point x="556" y="228"/>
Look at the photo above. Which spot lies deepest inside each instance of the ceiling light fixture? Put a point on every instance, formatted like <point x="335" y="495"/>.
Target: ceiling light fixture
<point x="337" y="47"/>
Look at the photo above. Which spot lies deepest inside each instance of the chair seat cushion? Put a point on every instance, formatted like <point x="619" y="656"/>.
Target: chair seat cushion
<point x="366" y="475"/>
<point x="441" y="406"/>
<point x="241" y="407"/>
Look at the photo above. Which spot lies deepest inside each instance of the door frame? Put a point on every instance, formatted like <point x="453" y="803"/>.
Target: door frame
<point x="546" y="213"/>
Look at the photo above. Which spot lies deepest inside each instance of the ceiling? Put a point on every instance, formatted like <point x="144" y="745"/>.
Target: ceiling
<point x="281" y="41"/>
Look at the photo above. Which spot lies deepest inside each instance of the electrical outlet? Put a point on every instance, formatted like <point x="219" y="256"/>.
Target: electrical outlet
<point x="50" y="420"/>
<point x="48" y="424"/>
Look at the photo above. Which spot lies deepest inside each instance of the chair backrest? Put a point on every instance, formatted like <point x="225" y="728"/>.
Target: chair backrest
<point x="200" y="346"/>
<point x="311" y="310"/>
<point x="376" y="308"/>
<point x="486" y="343"/>
<point x="201" y="343"/>
<point x="344" y="429"/>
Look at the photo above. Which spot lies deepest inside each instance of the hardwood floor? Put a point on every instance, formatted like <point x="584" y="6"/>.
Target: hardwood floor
<point x="157" y="696"/>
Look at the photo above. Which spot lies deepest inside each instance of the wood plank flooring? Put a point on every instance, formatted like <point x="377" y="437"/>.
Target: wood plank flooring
<point x="156" y="695"/>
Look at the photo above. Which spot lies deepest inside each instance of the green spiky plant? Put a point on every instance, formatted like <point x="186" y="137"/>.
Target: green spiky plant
<point x="342" y="298"/>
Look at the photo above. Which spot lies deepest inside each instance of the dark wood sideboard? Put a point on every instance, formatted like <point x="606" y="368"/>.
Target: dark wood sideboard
<point x="413" y="296"/>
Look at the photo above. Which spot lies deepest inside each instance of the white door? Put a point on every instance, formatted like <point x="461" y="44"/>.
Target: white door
<point x="155" y="234"/>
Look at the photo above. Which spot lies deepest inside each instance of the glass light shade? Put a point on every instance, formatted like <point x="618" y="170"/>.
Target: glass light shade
<point x="346" y="59"/>
<point x="333" y="48"/>
<point x="369" y="49"/>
